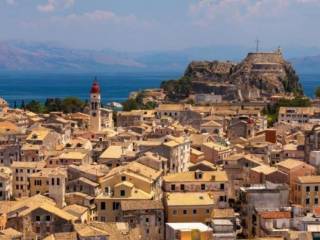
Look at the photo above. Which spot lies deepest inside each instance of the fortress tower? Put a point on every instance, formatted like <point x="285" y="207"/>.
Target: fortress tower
<point x="95" y="105"/>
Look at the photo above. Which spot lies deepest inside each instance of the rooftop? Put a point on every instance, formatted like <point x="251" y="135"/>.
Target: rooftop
<point x="309" y="179"/>
<point x="189" y="199"/>
<point x="112" y="152"/>
<point x="141" y="205"/>
<point x="207" y="176"/>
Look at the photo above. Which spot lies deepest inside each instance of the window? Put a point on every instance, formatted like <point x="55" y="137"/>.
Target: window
<point x="48" y="218"/>
<point x="174" y="212"/>
<point x="307" y="201"/>
<point x="123" y="178"/>
<point x="207" y="210"/>
<point x="38" y="218"/>
<point x="147" y="220"/>
<point x="316" y="201"/>
<point x="221" y="186"/>
<point x="185" y="211"/>
<point x="115" y="205"/>
<point x="203" y="187"/>
<point x="316" y="188"/>
<point x="37" y="229"/>
<point x="122" y="193"/>
<point x="221" y="198"/>
<point x="58" y="181"/>
<point x="102" y="205"/>
<point x="182" y="187"/>
<point x="52" y="181"/>
<point x="307" y="189"/>
<point x="173" y="187"/>
<point x="194" y="211"/>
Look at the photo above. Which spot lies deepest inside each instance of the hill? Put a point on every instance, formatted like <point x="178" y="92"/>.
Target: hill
<point x="258" y="75"/>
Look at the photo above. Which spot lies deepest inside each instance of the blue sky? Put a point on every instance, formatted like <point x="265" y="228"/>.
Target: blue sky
<point x="143" y="25"/>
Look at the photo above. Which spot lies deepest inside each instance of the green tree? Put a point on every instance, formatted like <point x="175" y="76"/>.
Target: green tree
<point x="53" y="104"/>
<point x="130" y="104"/>
<point x="72" y="104"/>
<point x="177" y="89"/>
<point x="35" y="106"/>
<point x="317" y="92"/>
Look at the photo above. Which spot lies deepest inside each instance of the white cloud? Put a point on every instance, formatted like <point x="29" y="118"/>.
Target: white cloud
<point x="102" y="16"/>
<point x="206" y="12"/>
<point x="52" y="5"/>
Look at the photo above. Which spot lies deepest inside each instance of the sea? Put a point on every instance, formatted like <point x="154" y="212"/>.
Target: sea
<point x="115" y="87"/>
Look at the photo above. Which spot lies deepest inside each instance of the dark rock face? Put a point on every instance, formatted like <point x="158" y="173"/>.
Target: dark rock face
<point x="258" y="75"/>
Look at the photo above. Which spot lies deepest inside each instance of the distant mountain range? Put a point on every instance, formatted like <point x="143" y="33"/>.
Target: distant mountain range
<point x="53" y="57"/>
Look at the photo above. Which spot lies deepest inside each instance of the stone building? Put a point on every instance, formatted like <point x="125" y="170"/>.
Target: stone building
<point x="132" y="182"/>
<point x="37" y="217"/>
<point x="262" y="196"/>
<point x="21" y="172"/>
<point x="5" y="183"/>
<point x="307" y="192"/>
<point x="216" y="182"/>
<point x="177" y="151"/>
<point x="189" y="207"/>
<point x="312" y="141"/>
<point x="146" y="214"/>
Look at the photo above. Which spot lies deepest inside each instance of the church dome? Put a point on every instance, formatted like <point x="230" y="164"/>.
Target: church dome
<point x="95" y="87"/>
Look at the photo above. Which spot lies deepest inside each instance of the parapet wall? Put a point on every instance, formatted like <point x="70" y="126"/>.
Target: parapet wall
<point x="265" y="57"/>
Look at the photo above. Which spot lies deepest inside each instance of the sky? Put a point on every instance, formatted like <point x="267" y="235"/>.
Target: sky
<point x="145" y="25"/>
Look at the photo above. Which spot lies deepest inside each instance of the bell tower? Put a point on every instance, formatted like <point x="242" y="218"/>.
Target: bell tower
<point x="95" y="104"/>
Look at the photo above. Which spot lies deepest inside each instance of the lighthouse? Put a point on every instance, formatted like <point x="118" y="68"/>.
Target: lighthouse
<point x="95" y="107"/>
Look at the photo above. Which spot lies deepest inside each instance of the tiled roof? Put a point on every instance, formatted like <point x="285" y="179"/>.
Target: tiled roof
<point x="275" y="214"/>
<point x="141" y="205"/>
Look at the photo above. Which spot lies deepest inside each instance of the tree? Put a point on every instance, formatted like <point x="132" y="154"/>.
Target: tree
<point x="317" y="92"/>
<point x="23" y="106"/>
<point x="72" y="104"/>
<point x="177" y="89"/>
<point x="53" y="105"/>
<point x="130" y="104"/>
<point x="35" y="106"/>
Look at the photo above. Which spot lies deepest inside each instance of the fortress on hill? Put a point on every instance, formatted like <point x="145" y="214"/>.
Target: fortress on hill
<point x="259" y="75"/>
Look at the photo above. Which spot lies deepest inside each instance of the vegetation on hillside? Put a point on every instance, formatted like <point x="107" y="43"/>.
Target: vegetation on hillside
<point x="137" y="102"/>
<point x="291" y="83"/>
<point x="177" y="89"/>
<point x="272" y="110"/>
<point x="317" y="92"/>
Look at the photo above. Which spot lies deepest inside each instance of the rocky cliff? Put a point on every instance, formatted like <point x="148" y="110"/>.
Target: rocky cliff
<point x="258" y="75"/>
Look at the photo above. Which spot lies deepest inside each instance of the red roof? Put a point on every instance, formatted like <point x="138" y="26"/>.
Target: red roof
<point x="95" y="87"/>
<point x="275" y="215"/>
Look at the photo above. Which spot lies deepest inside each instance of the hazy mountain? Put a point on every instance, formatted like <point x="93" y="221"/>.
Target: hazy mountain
<point x="35" y="56"/>
<point x="22" y="56"/>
